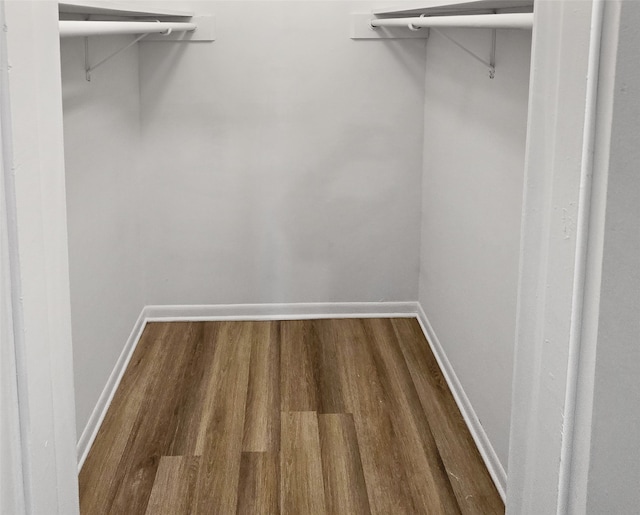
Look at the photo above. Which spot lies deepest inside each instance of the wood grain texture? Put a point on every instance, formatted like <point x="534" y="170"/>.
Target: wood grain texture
<point x="344" y="485"/>
<point x="190" y="411"/>
<point x="174" y="486"/>
<point x="385" y="474"/>
<point x="262" y="416"/>
<point x="102" y="464"/>
<point x="221" y="431"/>
<point x="301" y="483"/>
<point x="154" y="424"/>
<point x="259" y="484"/>
<point x="309" y="380"/>
<point x="298" y="386"/>
<point x="330" y="393"/>
<point x="416" y="444"/>
<point x="471" y="482"/>
<point x="315" y="416"/>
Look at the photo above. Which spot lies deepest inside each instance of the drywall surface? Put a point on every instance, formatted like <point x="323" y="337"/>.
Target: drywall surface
<point x="614" y="467"/>
<point x="282" y="163"/>
<point x="474" y="145"/>
<point x="102" y="144"/>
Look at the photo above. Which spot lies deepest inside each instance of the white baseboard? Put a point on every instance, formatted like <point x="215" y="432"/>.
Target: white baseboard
<point x="297" y="311"/>
<point x="481" y="439"/>
<point x="104" y="401"/>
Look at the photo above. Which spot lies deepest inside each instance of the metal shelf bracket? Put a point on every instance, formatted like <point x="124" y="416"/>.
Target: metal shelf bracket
<point x="89" y="68"/>
<point x="491" y="63"/>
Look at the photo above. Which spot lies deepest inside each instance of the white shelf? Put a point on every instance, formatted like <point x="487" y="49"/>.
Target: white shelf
<point x="454" y="7"/>
<point x="121" y="9"/>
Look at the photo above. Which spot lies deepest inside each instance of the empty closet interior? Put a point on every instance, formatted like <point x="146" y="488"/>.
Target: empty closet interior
<point x="287" y="165"/>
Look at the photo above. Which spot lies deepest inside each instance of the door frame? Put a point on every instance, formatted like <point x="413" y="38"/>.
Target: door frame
<point x="34" y="179"/>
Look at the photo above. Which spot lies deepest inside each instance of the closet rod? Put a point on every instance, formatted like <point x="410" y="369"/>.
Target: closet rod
<point x="70" y="28"/>
<point x="484" y="21"/>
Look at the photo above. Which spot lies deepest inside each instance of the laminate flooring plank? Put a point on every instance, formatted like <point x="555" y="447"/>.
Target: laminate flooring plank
<point x="385" y="476"/>
<point x="259" y="484"/>
<point x="174" y="486"/>
<point x="344" y="485"/>
<point x="190" y="409"/>
<point x="309" y="380"/>
<point x="154" y="425"/>
<point x="418" y="449"/>
<point x="100" y="476"/>
<point x="330" y="398"/>
<point x="472" y="484"/>
<point x="262" y="417"/>
<point x="301" y="480"/>
<point x="298" y="358"/>
<point x="221" y="431"/>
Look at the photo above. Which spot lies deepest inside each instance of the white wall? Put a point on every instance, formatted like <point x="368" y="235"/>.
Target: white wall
<point x="282" y="162"/>
<point x="102" y="145"/>
<point x="474" y="143"/>
<point x="614" y="466"/>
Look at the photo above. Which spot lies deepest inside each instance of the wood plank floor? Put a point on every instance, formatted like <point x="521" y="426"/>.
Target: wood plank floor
<point x="294" y="417"/>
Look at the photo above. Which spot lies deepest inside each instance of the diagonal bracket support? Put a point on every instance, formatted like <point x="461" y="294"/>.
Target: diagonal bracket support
<point x="89" y="68"/>
<point x="491" y="63"/>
